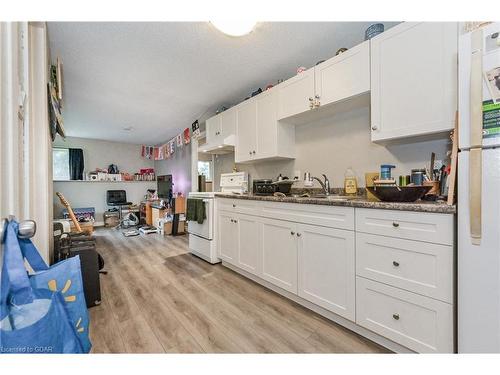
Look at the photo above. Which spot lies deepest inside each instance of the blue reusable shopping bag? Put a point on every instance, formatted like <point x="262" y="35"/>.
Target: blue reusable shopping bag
<point x="65" y="277"/>
<point x="35" y="317"/>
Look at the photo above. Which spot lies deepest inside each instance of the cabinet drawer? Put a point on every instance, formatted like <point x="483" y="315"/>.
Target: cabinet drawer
<point x="428" y="227"/>
<point x="237" y="205"/>
<point x="326" y="216"/>
<point x="419" y="323"/>
<point x="425" y="269"/>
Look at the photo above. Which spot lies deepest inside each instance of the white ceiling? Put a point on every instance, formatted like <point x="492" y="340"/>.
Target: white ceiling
<point x="159" y="77"/>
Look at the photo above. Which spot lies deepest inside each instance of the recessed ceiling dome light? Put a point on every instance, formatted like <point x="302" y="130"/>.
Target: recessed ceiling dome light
<point x="128" y="128"/>
<point x="234" y="27"/>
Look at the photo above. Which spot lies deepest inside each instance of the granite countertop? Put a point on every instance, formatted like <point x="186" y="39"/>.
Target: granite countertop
<point x="358" y="201"/>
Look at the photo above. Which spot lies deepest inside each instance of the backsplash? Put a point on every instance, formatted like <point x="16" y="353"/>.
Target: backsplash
<point x="334" y="144"/>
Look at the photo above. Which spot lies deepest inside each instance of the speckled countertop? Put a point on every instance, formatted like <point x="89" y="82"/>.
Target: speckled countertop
<point x="359" y="202"/>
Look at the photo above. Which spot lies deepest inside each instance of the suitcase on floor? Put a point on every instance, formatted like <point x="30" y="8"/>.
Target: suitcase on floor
<point x="89" y="260"/>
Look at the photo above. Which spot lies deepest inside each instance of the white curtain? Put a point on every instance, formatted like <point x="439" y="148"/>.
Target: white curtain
<point x="25" y="146"/>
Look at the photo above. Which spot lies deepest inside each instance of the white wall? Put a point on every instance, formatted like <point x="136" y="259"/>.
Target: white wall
<point x="100" y="154"/>
<point x="332" y="145"/>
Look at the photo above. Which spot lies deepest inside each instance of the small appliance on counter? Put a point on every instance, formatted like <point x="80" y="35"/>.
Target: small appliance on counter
<point x="263" y="187"/>
<point x="267" y="186"/>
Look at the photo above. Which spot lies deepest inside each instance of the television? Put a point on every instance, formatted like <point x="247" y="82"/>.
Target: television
<point x="165" y="186"/>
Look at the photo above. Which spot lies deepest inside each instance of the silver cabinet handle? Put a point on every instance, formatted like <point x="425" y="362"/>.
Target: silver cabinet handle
<point x="249" y="152"/>
<point x="374" y="127"/>
<point x="395" y="225"/>
<point x="395" y="264"/>
<point x="298" y="234"/>
<point x="316" y="96"/>
<point x="234" y="206"/>
<point x="310" y="99"/>
<point x="292" y="233"/>
<point x="235" y="221"/>
<point x="232" y="221"/>
<point x="395" y="316"/>
<point x="254" y="152"/>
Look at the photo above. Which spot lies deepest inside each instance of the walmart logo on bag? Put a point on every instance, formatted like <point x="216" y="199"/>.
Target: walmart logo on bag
<point x="52" y="284"/>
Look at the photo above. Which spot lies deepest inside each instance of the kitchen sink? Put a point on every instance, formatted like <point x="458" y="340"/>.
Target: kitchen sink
<point x="334" y="197"/>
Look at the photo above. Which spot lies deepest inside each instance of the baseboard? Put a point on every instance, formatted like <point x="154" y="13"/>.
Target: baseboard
<point x="386" y="343"/>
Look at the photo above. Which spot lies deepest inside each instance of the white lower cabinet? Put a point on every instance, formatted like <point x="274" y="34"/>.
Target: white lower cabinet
<point x="391" y="272"/>
<point x="228" y="237"/>
<point x="420" y="323"/>
<point x="279" y="253"/>
<point x="248" y="244"/>
<point x="326" y="268"/>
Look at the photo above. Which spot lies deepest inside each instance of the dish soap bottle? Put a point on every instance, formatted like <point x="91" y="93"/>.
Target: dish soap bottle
<point x="350" y="182"/>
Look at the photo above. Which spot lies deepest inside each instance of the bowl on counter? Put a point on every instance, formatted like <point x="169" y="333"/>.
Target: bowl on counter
<point x="399" y="193"/>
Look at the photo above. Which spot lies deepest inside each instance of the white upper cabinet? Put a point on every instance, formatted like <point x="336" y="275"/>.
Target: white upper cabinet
<point x="296" y="95"/>
<point x="221" y="126"/>
<point x="258" y="134"/>
<point x="246" y="134"/>
<point x="228" y="123"/>
<point x="213" y="128"/>
<point x="343" y="76"/>
<point x="413" y="80"/>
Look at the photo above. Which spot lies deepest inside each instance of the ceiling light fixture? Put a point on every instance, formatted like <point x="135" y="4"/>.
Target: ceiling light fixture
<point x="128" y="128"/>
<point x="234" y="27"/>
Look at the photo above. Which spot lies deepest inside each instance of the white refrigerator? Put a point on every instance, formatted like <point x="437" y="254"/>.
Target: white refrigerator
<point x="478" y="263"/>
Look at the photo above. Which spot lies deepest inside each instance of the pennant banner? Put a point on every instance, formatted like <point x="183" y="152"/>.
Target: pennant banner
<point x="168" y="149"/>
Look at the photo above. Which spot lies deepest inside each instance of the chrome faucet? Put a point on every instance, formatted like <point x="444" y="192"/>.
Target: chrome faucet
<point x="324" y="185"/>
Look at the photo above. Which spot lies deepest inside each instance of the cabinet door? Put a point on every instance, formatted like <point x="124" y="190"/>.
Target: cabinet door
<point x="327" y="268"/>
<point x="246" y="131"/>
<point x="267" y="131"/>
<point x="295" y="93"/>
<point x="213" y="128"/>
<point x="228" y="237"/>
<point x="413" y="80"/>
<point x="248" y="244"/>
<point x="228" y="123"/>
<point x="279" y="253"/>
<point x="344" y="76"/>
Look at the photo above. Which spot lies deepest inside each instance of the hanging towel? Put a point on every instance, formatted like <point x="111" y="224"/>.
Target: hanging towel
<point x="196" y="210"/>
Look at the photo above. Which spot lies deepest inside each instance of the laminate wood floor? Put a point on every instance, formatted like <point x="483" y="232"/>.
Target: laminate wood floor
<point x="158" y="298"/>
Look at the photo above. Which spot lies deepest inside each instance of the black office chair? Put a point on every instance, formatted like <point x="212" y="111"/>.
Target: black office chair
<point x="117" y="198"/>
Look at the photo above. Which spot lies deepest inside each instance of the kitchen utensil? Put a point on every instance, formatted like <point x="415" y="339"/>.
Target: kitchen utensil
<point x="399" y="193"/>
<point x="433" y="159"/>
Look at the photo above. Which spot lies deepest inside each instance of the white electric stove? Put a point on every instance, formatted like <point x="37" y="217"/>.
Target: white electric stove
<point x="202" y="237"/>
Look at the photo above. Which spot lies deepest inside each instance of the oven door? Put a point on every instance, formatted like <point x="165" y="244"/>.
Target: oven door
<point x="206" y="229"/>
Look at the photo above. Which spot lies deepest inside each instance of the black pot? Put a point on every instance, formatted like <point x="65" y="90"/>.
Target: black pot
<point x="283" y="186"/>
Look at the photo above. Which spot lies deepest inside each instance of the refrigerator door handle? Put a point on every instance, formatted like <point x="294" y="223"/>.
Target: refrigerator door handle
<point x="475" y="186"/>
<point x="476" y="90"/>
<point x="476" y="136"/>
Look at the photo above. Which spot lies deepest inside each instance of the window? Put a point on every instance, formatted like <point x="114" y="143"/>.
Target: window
<point x="205" y="168"/>
<point x="60" y="164"/>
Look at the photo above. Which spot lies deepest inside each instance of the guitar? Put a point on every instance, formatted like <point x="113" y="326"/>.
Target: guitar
<point x="66" y="204"/>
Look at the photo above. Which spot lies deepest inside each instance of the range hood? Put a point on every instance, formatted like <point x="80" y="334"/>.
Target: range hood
<point x="220" y="146"/>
